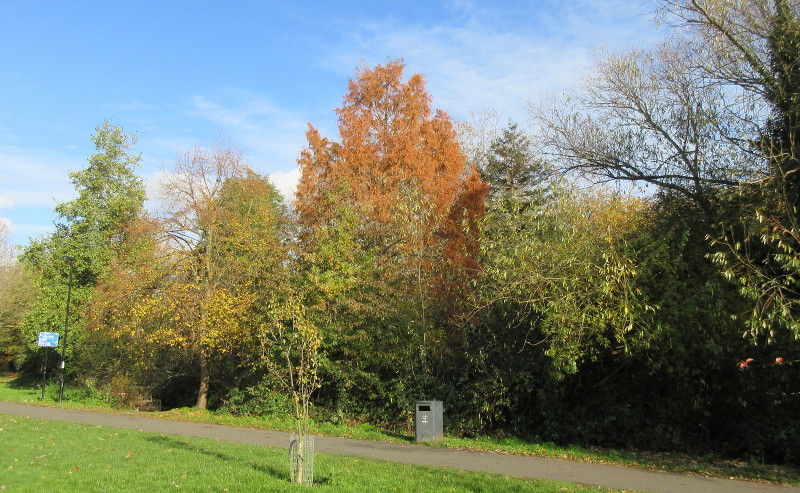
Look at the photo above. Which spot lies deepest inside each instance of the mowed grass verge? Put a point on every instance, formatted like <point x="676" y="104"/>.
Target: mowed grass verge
<point x="40" y="455"/>
<point x="706" y="465"/>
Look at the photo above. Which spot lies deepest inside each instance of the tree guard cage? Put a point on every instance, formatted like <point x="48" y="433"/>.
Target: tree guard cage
<point x="301" y="459"/>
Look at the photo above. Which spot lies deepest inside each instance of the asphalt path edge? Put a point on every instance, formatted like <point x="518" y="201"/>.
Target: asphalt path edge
<point x="608" y="476"/>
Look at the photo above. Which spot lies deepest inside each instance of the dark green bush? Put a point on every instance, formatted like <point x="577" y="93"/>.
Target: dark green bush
<point x="258" y="400"/>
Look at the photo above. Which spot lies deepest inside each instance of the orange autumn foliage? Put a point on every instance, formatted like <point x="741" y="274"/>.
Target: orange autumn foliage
<point x="399" y="166"/>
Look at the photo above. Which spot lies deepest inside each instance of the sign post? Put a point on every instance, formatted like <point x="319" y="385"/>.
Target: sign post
<point x="47" y="340"/>
<point x="71" y="261"/>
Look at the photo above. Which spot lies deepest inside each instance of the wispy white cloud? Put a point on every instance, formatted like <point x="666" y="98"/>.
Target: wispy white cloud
<point x="270" y="135"/>
<point x="152" y="184"/>
<point x="14" y="234"/>
<point x="286" y="183"/>
<point x="47" y="170"/>
<point x="32" y="182"/>
<point x="22" y="231"/>
<point x="497" y="58"/>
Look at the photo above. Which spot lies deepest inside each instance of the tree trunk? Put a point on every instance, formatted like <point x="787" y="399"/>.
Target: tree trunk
<point x="205" y="378"/>
<point x="298" y="478"/>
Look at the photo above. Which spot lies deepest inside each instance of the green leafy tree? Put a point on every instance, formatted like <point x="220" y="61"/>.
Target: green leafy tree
<point x="16" y="297"/>
<point x="557" y="294"/>
<point x="512" y="170"/>
<point x="567" y="266"/>
<point x="88" y="229"/>
<point x="217" y="250"/>
<point x="558" y="255"/>
<point x="291" y="344"/>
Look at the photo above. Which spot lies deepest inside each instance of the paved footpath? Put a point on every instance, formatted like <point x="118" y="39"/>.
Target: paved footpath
<point x="618" y="477"/>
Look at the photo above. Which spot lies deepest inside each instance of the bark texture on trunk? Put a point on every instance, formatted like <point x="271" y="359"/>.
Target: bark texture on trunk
<point x="205" y="378"/>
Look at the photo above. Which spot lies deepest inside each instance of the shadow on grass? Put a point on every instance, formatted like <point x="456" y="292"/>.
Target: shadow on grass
<point x="179" y="443"/>
<point x="26" y="382"/>
<point x="400" y="436"/>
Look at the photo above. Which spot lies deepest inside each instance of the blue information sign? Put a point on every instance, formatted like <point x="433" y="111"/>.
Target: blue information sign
<point x="48" y="339"/>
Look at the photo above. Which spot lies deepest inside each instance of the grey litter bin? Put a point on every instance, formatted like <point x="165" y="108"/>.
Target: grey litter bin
<point x="428" y="421"/>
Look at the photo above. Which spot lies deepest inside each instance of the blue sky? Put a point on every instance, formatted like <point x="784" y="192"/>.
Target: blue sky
<point x="255" y="73"/>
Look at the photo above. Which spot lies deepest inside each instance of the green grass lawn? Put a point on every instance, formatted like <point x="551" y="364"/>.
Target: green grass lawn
<point x="706" y="465"/>
<point x="40" y="455"/>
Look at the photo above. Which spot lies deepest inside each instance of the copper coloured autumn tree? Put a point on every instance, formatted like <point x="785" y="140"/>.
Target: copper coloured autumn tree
<point x="397" y="163"/>
<point x="396" y="185"/>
